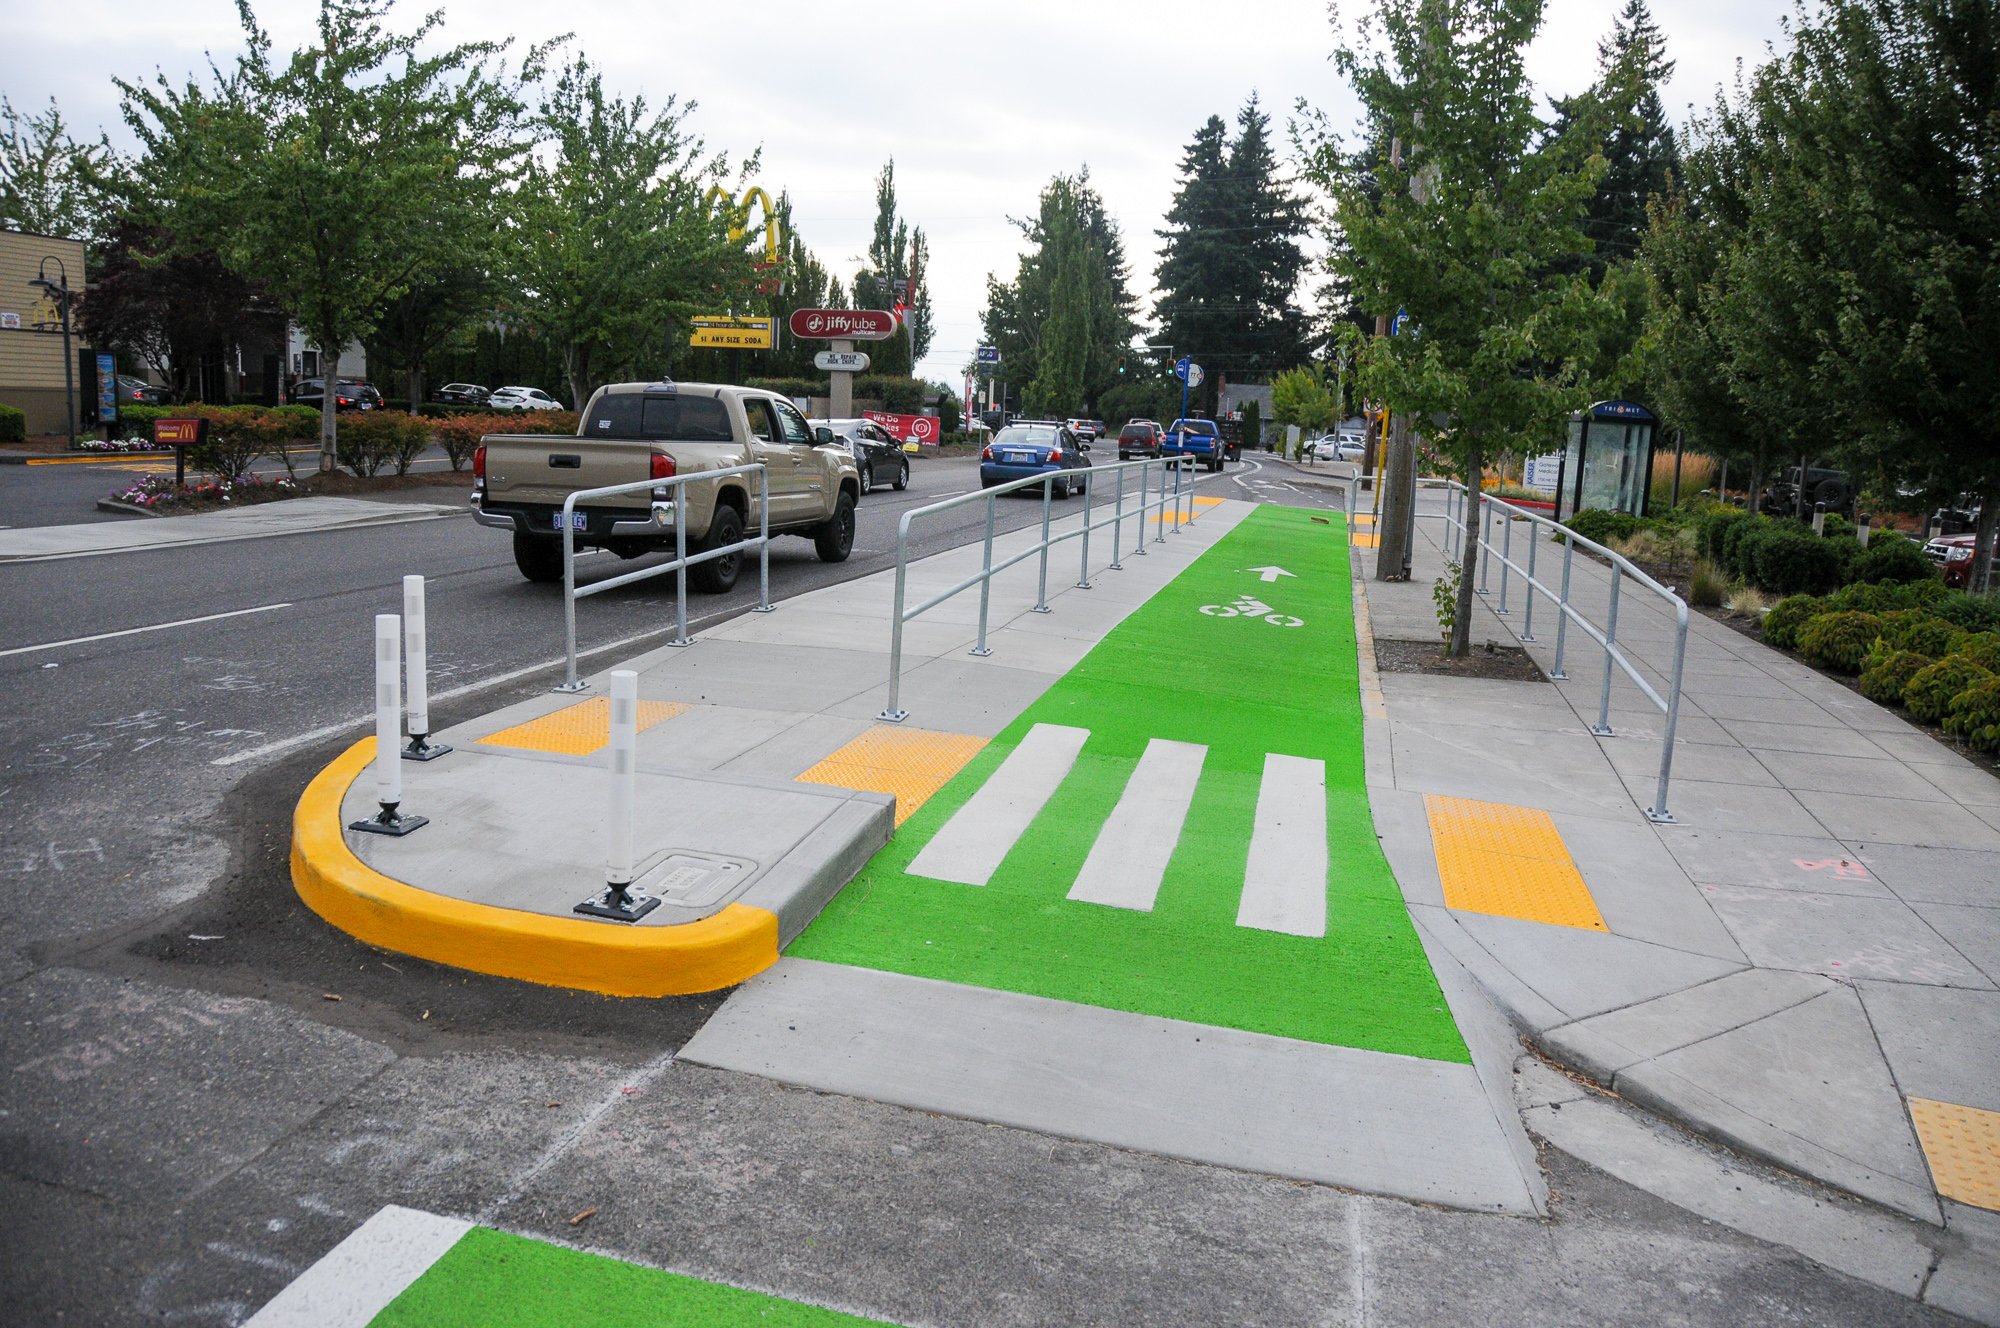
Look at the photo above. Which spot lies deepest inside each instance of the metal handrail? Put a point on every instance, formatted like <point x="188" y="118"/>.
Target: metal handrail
<point x="761" y="541"/>
<point x="1606" y="637"/>
<point x="892" y="713"/>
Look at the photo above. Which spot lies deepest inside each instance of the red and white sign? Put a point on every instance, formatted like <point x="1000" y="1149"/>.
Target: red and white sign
<point x="908" y="428"/>
<point x="843" y="324"/>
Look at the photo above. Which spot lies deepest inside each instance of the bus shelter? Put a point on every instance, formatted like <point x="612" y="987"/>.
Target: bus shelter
<point x="1607" y="462"/>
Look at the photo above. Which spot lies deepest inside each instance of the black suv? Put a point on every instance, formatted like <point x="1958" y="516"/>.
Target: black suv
<point x="349" y="394"/>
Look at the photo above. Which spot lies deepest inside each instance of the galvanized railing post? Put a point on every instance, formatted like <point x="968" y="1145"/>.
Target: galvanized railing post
<point x="1485" y="537"/>
<point x="892" y="713"/>
<point x="1603" y="726"/>
<point x="1534" y="542"/>
<point x="1506" y="556"/>
<point x="1562" y="608"/>
<point x="570" y="682"/>
<point x="763" y="534"/>
<point x="1177" y="500"/>
<point x="1139" y="547"/>
<point x="1118" y="518"/>
<point x="1083" y="567"/>
<point x="986" y="579"/>
<point x="681" y="575"/>
<point x="1161" y="536"/>
<point x="1658" y="811"/>
<point x="1042" y="585"/>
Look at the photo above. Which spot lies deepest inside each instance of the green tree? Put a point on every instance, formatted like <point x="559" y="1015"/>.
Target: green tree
<point x="1057" y="387"/>
<point x="1269" y="220"/>
<point x="896" y="253"/>
<point x="1642" y="152"/>
<point x="438" y="305"/>
<point x="46" y="177"/>
<point x="334" y="176"/>
<point x="616" y="246"/>
<point x="1303" y="397"/>
<point x="1471" y="226"/>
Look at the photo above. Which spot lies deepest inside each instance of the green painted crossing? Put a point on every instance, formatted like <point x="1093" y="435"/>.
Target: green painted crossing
<point x="1240" y="677"/>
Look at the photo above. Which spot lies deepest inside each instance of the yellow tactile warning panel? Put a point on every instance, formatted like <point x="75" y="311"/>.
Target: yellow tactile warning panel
<point x="1367" y="541"/>
<point x="912" y="764"/>
<point x="1197" y="506"/>
<point x="1508" y="861"/>
<point x="577" y="730"/>
<point x="1364" y="519"/>
<point x="1962" y="1144"/>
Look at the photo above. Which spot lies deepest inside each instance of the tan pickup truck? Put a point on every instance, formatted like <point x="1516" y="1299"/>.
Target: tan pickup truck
<point x="636" y="431"/>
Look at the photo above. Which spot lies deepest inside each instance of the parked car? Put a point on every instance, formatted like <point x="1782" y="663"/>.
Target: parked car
<point x="349" y="394"/>
<point x="1085" y="430"/>
<point x="1139" y="438"/>
<point x="1953" y="555"/>
<point x="463" y="394"/>
<point x="1327" y="447"/>
<point x="1038" y="448"/>
<point x="635" y="431"/>
<point x="139" y="392"/>
<point x="521" y="398"/>
<point x="1199" y="439"/>
<point x="877" y="456"/>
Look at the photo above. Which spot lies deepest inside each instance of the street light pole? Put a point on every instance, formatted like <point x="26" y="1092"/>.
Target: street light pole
<point x="59" y="289"/>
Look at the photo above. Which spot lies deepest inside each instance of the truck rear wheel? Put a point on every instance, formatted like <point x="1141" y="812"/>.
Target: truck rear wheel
<point x="718" y="575"/>
<point x="538" y="557"/>
<point x="835" y="539"/>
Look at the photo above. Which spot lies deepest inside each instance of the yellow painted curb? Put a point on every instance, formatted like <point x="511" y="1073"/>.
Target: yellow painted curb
<point x="611" y="958"/>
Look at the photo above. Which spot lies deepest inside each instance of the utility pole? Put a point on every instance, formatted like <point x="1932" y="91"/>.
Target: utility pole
<point x="1396" y="528"/>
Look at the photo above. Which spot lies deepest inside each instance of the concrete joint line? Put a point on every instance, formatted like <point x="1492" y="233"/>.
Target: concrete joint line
<point x="562" y="1144"/>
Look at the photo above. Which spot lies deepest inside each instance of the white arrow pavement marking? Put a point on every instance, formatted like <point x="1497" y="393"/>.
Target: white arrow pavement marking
<point x="1271" y="574"/>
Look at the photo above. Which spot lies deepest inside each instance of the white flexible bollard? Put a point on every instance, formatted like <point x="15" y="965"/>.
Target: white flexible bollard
<point x="388" y="728"/>
<point x="416" y="657"/>
<point x="616" y="902"/>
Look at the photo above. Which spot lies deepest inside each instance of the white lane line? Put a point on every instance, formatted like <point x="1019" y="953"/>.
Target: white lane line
<point x="347" y="725"/>
<point x="134" y="631"/>
<point x="1129" y="859"/>
<point x="970" y="847"/>
<point x="1284" y="887"/>
<point x="360" y="1276"/>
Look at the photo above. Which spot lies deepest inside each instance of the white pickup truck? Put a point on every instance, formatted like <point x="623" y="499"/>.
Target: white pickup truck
<point x="637" y="431"/>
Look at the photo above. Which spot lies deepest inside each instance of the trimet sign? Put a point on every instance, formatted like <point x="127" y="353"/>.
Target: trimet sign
<point x="843" y="324"/>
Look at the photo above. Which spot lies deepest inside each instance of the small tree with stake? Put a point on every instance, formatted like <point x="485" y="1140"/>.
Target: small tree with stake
<point x="1477" y="221"/>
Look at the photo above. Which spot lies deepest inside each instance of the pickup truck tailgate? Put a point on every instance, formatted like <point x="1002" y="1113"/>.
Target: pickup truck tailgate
<point x="547" y="468"/>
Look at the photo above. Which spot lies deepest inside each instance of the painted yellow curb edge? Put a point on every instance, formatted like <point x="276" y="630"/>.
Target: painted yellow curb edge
<point x="616" y="960"/>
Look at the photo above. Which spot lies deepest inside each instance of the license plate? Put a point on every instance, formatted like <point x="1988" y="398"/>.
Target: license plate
<point x="1020" y="458"/>
<point x="577" y="520"/>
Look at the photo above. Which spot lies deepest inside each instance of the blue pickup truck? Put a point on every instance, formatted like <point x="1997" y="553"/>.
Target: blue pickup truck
<point x="1200" y="439"/>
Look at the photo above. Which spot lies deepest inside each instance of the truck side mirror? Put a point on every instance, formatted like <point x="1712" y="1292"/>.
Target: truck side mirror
<point x="822" y="435"/>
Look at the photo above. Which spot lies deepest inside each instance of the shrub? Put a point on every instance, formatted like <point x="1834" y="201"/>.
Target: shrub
<point x="1839" y="641"/>
<point x="1887" y="676"/>
<point x="1975" y="613"/>
<point x="459" y="435"/>
<point x="1918" y="630"/>
<point x="1887" y="596"/>
<point x="1601" y="527"/>
<point x="1729" y="544"/>
<point x="902" y="395"/>
<point x="1931" y="690"/>
<point x="1711" y="528"/>
<point x="1974" y="715"/>
<point x="366" y="443"/>
<point x="1707" y="586"/>
<point x="1791" y="560"/>
<point x="1982" y="648"/>
<point x="1748" y="602"/>
<point x="1782" y="623"/>
<point x="13" y="425"/>
<point x="1891" y="557"/>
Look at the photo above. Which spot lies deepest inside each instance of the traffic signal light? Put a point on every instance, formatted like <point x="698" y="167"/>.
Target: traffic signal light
<point x="1121" y="366"/>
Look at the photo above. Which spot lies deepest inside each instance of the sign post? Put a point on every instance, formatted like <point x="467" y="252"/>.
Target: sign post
<point x="1190" y="375"/>
<point x="842" y="328"/>
<point x="180" y="435"/>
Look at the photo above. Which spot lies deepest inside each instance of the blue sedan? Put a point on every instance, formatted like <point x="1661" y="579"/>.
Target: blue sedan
<point x="1022" y="451"/>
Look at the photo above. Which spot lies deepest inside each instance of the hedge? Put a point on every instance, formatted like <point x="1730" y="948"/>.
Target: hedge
<point x="902" y="395"/>
<point x="1930" y="692"/>
<point x="1974" y="715"/>
<point x="13" y="425"/>
<point x="1919" y="630"/>
<point x="365" y="443"/>
<point x="1886" y="679"/>
<point x="459" y="435"/>
<point x="1782" y="623"/>
<point x="1839" y="641"/>
<point x="1892" y="558"/>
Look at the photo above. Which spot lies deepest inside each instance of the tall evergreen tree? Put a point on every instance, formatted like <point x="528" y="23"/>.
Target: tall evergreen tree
<point x="1202" y="274"/>
<point x="1642" y="154"/>
<point x="896" y="252"/>
<point x="1270" y="219"/>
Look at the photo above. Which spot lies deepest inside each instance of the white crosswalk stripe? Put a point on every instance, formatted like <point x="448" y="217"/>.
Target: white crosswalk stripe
<point x="1129" y="859"/>
<point x="1284" y="881"/>
<point x="969" y="848"/>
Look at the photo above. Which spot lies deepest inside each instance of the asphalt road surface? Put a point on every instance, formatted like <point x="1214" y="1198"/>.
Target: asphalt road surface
<point x="207" y="1088"/>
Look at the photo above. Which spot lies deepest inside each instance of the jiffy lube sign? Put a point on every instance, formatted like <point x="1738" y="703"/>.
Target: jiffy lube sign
<point x="843" y="324"/>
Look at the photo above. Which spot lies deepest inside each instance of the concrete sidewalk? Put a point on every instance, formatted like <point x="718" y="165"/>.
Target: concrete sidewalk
<point x="1803" y="965"/>
<point x="292" y="516"/>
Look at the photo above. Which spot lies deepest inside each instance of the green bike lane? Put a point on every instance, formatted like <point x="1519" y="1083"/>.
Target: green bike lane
<point x="1269" y="670"/>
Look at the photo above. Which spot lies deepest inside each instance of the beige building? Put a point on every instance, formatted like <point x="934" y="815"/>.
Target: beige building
<point x="31" y="342"/>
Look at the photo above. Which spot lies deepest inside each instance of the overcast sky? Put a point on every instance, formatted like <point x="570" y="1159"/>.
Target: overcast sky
<point x="978" y="104"/>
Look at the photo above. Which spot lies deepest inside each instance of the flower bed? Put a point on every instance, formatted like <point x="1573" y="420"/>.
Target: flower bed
<point x="159" y="494"/>
<point x="120" y="445"/>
